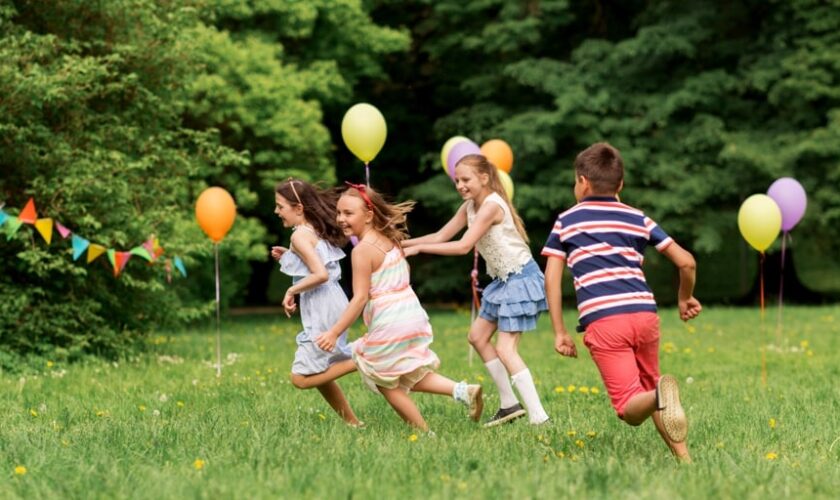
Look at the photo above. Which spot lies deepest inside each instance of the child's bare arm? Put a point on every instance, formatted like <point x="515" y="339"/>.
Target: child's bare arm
<point x="362" y="260"/>
<point x="488" y="214"/>
<point x="446" y="233"/>
<point x="689" y="306"/>
<point x="563" y="342"/>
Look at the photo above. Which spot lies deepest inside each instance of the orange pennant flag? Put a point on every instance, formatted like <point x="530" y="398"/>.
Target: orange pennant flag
<point x="28" y="215"/>
<point x="120" y="260"/>
<point x="45" y="227"/>
<point x="94" y="251"/>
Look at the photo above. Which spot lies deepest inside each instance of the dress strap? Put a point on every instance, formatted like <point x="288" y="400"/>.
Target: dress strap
<point x="374" y="246"/>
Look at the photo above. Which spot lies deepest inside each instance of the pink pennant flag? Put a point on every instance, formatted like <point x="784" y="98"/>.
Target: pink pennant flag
<point x="63" y="231"/>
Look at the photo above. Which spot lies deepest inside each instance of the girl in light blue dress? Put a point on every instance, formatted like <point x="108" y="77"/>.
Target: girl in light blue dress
<point x="312" y="260"/>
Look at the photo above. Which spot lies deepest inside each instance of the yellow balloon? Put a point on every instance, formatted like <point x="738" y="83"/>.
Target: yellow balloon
<point x="507" y="182"/>
<point x="760" y="221"/>
<point x="447" y="147"/>
<point x="363" y="130"/>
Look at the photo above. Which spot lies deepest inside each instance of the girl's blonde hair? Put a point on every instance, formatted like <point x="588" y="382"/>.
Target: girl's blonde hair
<point x="480" y="164"/>
<point x="388" y="218"/>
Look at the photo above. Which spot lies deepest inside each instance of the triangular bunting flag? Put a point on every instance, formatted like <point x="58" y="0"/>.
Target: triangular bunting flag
<point x="45" y="227"/>
<point x="79" y="246"/>
<point x="141" y="252"/>
<point x="112" y="257"/>
<point x="121" y="259"/>
<point x="28" y="215"/>
<point x="12" y="226"/>
<point x="94" y="251"/>
<point x="63" y="231"/>
<point x="180" y="265"/>
<point x="3" y="217"/>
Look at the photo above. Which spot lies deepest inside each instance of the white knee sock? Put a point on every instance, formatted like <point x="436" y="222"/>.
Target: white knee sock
<point x="525" y="385"/>
<point x="500" y="376"/>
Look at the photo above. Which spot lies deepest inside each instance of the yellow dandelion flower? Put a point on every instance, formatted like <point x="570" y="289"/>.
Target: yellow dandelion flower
<point x="20" y="470"/>
<point x="322" y="416"/>
<point x="573" y="458"/>
<point x="595" y="390"/>
<point x="571" y="388"/>
<point x="33" y="412"/>
<point x="198" y="464"/>
<point x="804" y="344"/>
<point x="771" y="456"/>
<point x="772" y="423"/>
<point x="584" y="390"/>
<point x="691" y="329"/>
<point x="65" y="443"/>
<point x="179" y="404"/>
<point x="810" y="353"/>
<point x="591" y="434"/>
<point x="50" y="364"/>
<point x="579" y="443"/>
<point x="412" y="438"/>
<point x="269" y="371"/>
<point x="571" y="433"/>
<point x="559" y="389"/>
<point x="462" y="486"/>
<point x="687" y="350"/>
<point x="711" y="349"/>
<point x="669" y="347"/>
<point x="101" y="413"/>
<point x="545" y="458"/>
<point x="445" y="478"/>
<point x="480" y="378"/>
<point x="142" y="408"/>
<point x="559" y="454"/>
<point x="719" y="445"/>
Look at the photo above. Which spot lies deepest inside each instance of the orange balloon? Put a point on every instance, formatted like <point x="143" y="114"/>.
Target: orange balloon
<point x="215" y="212"/>
<point x="499" y="154"/>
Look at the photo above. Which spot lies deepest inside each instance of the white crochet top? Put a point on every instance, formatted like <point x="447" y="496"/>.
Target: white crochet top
<point x="503" y="249"/>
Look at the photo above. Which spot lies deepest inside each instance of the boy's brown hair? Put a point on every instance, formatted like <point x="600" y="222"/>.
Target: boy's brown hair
<point x="602" y="166"/>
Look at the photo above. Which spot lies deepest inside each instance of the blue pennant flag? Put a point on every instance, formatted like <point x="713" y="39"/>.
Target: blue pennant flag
<point x="180" y="265"/>
<point x="79" y="246"/>
<point x="3" y="217"/>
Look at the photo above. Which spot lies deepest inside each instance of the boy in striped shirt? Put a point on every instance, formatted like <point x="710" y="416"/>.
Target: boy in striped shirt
<point x="602" y="241"/>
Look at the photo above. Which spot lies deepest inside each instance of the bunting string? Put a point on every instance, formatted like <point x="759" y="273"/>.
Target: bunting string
<point x="150" y="250"/>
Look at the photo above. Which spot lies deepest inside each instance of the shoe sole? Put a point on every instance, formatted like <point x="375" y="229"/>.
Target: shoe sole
<point x="507" y="418"/>
<point x="475" y="411"/>
<point x="673" y="416"/>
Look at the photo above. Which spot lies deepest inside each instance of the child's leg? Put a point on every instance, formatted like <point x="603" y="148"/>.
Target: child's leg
<point x="335" y="371"/>
<point x="507" y="346"/>
<point x="404" y="406"/>
<point x="680" y="450"/>
<point x="481" y="332"/>
<point x="332" y="393"/>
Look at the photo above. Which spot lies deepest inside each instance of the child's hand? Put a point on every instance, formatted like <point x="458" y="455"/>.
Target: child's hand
<point x="565" y="345"/>
<point x="326" y="341"/>
<point x="689" y="309"/>
<point x="277" y="252"/>
<point x="410" y="251"/>
<point x="289" y="304"/>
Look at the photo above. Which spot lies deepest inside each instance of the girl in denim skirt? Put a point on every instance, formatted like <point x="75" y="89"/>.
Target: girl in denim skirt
<point x="510" y="304"/>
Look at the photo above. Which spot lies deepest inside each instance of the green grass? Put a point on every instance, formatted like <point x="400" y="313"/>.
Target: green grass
<point x="136" y="428"/>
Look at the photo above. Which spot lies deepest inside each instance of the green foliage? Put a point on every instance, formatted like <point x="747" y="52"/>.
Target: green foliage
<point x="135" y="428"/>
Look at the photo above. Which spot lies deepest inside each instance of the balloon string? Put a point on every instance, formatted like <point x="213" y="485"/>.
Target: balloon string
<point x="476" y="303"/>
<point x="781" y="291"/>
<point x="761" y="294"/>
<point x="218" y="317"/>
<point x="367" y="174"/>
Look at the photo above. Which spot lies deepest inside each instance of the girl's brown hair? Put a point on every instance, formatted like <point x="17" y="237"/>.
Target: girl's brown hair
<point x="388" y="218"/>
<point x="318" y="208"/>
<point x="482" y="165"/>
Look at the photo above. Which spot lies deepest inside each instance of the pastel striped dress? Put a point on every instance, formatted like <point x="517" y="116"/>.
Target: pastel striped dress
<point x="395" y="350"/>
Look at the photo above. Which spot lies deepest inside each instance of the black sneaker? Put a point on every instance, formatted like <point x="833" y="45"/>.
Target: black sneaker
<point x="506" y="415"/>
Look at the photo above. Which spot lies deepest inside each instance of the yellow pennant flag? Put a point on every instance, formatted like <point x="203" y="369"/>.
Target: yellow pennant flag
<point x="45" y="227"/>
<point x="95" y="251"/>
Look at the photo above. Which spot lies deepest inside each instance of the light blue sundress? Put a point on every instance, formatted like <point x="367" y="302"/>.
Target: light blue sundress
<point x="319" y="309"/>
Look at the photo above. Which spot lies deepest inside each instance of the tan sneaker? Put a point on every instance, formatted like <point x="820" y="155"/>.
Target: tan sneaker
<point x="476" y="402"/>
<point x="671" y="411"/>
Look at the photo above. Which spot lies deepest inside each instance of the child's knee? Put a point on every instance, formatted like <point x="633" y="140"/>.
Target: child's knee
<point x="299" y="381"/>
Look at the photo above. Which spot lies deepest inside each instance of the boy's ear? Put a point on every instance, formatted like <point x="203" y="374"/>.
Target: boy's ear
<point x="620" y="186"/>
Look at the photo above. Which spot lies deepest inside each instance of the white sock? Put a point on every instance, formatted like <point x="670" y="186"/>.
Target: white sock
<point x="500" y="376"/>
<point x="525" y="385"/>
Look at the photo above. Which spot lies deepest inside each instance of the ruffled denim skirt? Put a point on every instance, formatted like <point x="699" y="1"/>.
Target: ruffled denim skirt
<point x="516" y="303"/>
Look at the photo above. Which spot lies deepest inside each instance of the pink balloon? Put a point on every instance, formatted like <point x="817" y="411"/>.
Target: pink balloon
<point x="789" y="194"/>
<point x="459" y="151"/>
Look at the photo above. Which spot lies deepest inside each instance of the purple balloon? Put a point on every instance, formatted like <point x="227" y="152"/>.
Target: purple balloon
<point x="459" y="151"/>
<point x="789" y="194"/>
<point x="354" y="240"/>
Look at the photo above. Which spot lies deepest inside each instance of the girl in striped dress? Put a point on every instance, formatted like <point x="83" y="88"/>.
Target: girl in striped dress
<point x="393" y="357"/>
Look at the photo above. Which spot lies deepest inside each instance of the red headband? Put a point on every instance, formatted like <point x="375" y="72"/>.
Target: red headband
<point x="362" y="191"/>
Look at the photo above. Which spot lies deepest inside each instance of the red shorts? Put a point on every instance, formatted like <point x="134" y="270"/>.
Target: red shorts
<point x="625" y="347"/>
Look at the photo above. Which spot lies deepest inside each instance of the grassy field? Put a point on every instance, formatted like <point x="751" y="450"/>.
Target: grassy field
<point x="163" y="426"/>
